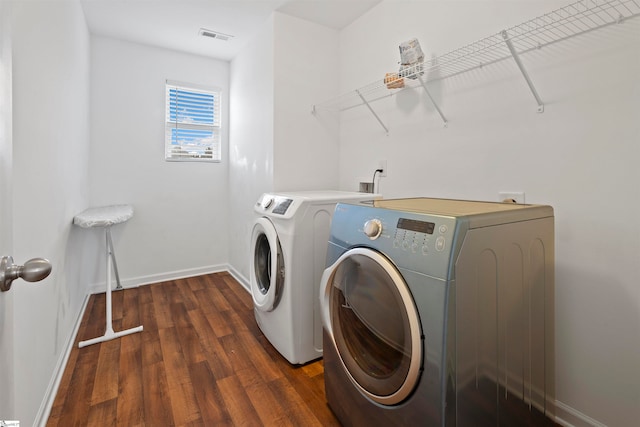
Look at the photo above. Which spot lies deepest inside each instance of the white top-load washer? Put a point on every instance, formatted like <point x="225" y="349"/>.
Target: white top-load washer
<point x="288" y="254"/>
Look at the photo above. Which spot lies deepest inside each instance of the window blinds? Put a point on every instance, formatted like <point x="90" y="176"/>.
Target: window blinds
<point x="192" y="129"/>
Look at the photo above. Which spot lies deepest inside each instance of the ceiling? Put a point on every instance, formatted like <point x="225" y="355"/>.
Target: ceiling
<point x="175" y="24"/>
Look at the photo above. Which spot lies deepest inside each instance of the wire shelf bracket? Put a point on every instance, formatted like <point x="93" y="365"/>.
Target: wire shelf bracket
<point x="364" y="101"/>
<point x="435" y="105"/>
<point x="523" y="70"/>
<point x="561" y="24"/>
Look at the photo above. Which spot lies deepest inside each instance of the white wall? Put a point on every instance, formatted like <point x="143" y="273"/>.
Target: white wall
<point x="305" y="70"/>
<point x="276" y="143"/>
<point x="580" y="156"/>
<point x="251" y="141"/>
<point x="50" y="177"/>
<point x="179" y="226"/>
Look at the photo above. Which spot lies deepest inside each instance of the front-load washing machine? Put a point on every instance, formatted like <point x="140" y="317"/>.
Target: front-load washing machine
<point x="440" y="313"/>
<point x="288" y="250"/>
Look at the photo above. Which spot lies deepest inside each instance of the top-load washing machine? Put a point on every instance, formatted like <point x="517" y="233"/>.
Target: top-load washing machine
<point x="288" y="250"/>
<point x="440" y="313"/>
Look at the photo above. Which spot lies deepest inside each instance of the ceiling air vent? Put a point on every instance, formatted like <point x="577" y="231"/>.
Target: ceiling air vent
<point x="215" y="34"/>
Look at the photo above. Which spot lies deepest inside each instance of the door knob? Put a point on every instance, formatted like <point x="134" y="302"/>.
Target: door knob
<point x="33" y="270"/>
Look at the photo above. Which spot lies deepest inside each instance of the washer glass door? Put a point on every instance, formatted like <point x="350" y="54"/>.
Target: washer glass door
<point x="267" y="266"/>
<point x="370" y="315"/>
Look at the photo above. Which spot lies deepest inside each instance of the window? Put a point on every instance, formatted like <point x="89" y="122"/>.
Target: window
<point x="192" y="130"/>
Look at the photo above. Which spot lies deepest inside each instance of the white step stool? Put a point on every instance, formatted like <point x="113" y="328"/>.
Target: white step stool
<point x="105" y="217"/>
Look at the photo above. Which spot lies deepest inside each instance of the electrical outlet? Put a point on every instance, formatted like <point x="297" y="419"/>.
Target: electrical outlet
<point x="516" y="196"/>
<point x="382" y="164"/>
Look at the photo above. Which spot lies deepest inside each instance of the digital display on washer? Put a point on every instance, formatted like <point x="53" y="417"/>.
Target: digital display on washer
<point x="417" y="226"/>
<point x="281" y="206"/>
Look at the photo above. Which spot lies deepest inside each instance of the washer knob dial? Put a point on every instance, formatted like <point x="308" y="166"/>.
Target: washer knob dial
<point x="266" y="202"/>
<point x="373" y="228"/>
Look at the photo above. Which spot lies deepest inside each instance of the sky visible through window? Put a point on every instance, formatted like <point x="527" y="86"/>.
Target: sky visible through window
<point x="192" y="124"/>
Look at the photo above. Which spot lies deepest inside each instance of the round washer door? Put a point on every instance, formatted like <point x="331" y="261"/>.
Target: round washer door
<point x="369" y="314"/>
<point x="266" y="266"/>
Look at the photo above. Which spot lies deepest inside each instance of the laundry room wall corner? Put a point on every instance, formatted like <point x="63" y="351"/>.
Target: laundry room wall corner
<point x="250" y="140"/>
<point x="131" y="135"/>
<point x="306" y="63"/>
<point x="274" y="82"/>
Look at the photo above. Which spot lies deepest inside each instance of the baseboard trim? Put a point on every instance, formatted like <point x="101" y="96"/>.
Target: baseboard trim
<point x="52" y="389"/>
<point x="240" y="278"/>
<point x="134" y="282"/>
<point x="570" y="417"/>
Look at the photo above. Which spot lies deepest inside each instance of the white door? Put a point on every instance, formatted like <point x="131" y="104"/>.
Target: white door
<point x="6" y="247"/>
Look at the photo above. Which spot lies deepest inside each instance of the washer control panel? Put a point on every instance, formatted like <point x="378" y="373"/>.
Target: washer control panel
<point x="273" y="204"/>
<point x="410" y="235"/>
<point x="417" y="236"/>
<point x="281" y="206"/>
<point x="415" y="241"/>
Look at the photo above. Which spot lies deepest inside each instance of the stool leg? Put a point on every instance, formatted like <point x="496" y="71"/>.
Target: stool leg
<point x="109" y="328"/>
<point x="112" y="253"/>
<point x="109" y="334"/>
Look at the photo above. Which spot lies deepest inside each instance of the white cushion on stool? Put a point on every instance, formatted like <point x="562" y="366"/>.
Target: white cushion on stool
<point x="103" y="216"/>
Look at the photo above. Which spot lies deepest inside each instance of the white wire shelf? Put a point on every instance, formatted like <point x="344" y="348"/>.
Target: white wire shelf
<point x="561" y="24"/>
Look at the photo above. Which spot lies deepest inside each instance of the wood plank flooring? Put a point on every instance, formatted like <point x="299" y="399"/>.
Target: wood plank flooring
<point x="200" y="361"/>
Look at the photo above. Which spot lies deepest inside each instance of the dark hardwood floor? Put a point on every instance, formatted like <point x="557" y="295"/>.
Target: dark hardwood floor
<point x="200" y="361"/>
